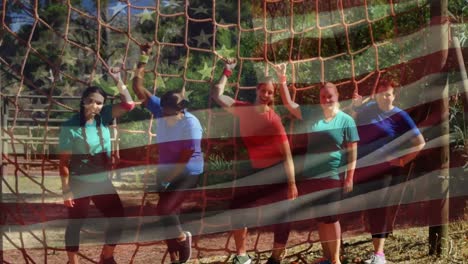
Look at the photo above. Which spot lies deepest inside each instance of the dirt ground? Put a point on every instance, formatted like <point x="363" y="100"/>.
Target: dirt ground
<point x="404" y="246"/>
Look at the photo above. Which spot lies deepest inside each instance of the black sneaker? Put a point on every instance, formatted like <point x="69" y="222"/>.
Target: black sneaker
<point x="110" y="260"/>
<point x="185" y="250"/>
<point x="272" y="261"/>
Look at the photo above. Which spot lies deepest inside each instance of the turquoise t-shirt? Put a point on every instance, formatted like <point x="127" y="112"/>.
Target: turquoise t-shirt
<point x="326" y="148"/>
<point x="84" y="166"/>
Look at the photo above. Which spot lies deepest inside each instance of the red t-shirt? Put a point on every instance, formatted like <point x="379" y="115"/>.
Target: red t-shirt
<point x="262" y="133"/>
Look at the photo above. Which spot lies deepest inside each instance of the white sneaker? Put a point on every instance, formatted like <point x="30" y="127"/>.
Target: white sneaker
<point x="242" y="259"/>
<point x="375" y="259"/>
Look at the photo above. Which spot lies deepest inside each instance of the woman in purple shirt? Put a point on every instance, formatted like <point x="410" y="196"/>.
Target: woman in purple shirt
<point x="384" y="130"/>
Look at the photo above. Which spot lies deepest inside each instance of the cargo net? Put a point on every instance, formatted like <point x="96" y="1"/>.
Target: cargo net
<point x="52" y="50"/>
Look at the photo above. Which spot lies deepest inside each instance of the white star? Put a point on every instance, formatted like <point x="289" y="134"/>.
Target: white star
<point x="68" y="59"/>
<point x="145" y="15"/>
<point x="203" y="38"/>
<point x="11" y="89"/>
<point x="94" y="78"/>
<point x="116" y="62"/>
<point x="117" y="8"/>
<point x="40" y="73"/>
<point x="172" y="3"/>
<point x="67" y="90"/>
<point x="225" y="52"/>
<point x="174" y="31"/>
<point x="97" y="78"/>
<point x="160" y="82"/>
<point x="200" y="10"/>
<point x="205" y="72"/>
<point x="222" y="21"/>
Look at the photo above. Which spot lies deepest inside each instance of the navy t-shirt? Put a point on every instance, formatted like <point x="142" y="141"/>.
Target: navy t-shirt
<point x="172" y="140"/>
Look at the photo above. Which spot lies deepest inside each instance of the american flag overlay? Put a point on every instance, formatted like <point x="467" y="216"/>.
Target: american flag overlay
<point x="392" y="156"/>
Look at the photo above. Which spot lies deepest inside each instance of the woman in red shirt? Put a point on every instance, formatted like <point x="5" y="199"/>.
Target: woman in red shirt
<point x="267" y="145"/>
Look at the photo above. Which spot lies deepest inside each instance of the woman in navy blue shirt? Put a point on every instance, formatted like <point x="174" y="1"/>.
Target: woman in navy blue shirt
<point x="178" y="135"/>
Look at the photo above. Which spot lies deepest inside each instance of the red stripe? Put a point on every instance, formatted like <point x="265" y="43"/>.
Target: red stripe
<point x="409" y="72"/>
<point x="418" y="214"/>
<point x="322" y="6"/>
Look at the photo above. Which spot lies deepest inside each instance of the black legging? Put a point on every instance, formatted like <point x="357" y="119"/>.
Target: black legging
<point x="169" y="205"/>
<point x="382" y="218"/>
<point x="380" y="178"/>
<point x="251" y="196"/>
<point x="107" y="202"/>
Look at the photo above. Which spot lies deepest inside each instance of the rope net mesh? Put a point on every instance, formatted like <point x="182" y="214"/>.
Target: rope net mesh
<point x="53" y="49"/>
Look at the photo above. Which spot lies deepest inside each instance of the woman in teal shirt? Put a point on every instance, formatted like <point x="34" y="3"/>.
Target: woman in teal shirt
<point x="85" y="148"/>
<point x="331" y="157"/>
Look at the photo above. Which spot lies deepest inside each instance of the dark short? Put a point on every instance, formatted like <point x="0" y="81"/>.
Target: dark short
<point x="81" y="189"/>
<point x="314" y="194"/>
<point x="255" y="192"/>
<point x="261" y="192"/>
<point x="381" y="177"/>
<point x="375" y="172"/>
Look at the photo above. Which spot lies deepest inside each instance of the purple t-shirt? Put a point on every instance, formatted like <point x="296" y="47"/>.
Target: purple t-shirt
<point x="383" y="132"/>
<point x="172" y="140"/>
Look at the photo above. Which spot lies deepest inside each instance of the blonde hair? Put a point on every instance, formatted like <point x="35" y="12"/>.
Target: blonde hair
<point x="329" y="85"/>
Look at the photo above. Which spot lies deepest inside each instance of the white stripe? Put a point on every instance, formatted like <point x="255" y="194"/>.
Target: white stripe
<point x="418" y="89"/>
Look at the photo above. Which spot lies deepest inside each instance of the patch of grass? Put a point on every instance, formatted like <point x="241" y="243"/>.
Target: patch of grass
<point x="403" y="246"/>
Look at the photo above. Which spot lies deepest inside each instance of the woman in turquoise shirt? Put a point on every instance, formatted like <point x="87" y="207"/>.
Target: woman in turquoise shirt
<point x="330" y="158"/>
<point x="85" y="147"/>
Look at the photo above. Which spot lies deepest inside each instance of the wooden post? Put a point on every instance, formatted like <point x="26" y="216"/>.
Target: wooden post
<point x="438" y="235"/>
<point x="3" y="120"/>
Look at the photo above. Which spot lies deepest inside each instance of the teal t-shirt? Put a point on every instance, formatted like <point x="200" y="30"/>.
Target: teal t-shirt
<point x="84" y="166"/>
<point x="326" y="148"/>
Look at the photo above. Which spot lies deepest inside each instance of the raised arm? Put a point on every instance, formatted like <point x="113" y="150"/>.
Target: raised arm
<point x="141" y="92"/>
<point x="292" y="106"/>
<point x="358" y="103"/>
<point x="217" y="91"/>
<point x="126" y="103"/>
